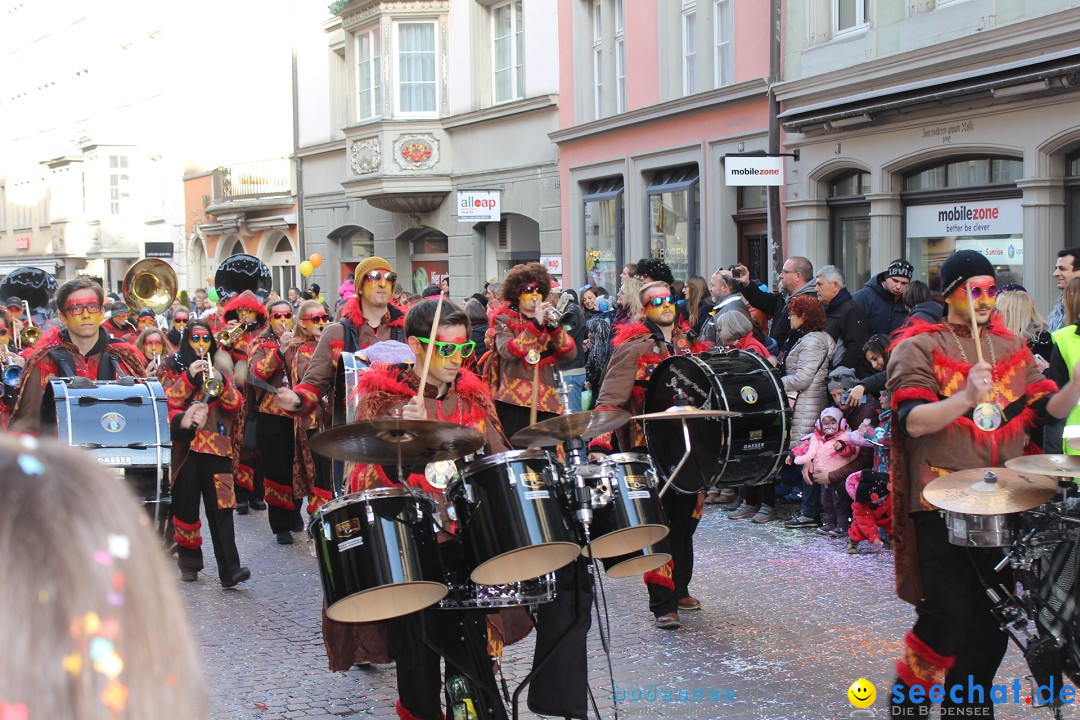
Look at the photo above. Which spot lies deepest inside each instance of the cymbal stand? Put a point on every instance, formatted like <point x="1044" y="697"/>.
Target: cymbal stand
<point x="681" y="398"/>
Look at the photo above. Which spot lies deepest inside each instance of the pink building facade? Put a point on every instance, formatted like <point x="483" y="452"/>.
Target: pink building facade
<point x="652" y="97"/>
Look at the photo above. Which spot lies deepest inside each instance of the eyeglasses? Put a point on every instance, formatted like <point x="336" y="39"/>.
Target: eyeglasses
<point x="321" y="319"/>
<point x="200" y="338"/>
<point x="448" y="349"/>
<point x="377" y="275"/>
<point x="3" y="331"/>
<point x="281" y="315"/>
<point x="788" y="272"/>
<point x="76" y="309"/>
<point x="977" y="291"/>
<point x="659" y="300"/>
<point x="180" y="321"/>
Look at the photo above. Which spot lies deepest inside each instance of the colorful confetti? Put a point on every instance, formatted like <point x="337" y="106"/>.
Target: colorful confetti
<point x="110" y="666"/>
<point x="103" y="558"/>
<point x="73" y="664"/>
<point x="114" y="599"/>
<point x="91" y="623"/>
<point x="14" y="711"/>
<point x="100" y="647"/>
<point x="115" y="696"/>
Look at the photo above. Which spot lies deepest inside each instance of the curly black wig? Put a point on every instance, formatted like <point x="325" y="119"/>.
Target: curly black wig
<point x="522" y="275"/>
<point x="655" y="270"/>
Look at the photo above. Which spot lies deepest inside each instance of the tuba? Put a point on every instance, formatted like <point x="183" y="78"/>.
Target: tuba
<point x="150" y="283"/>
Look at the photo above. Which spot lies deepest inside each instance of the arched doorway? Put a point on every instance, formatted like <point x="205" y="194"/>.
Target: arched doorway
<point x="354" y="244"/>
<point x="282" y="262"/>
<point x="428" y="250"/>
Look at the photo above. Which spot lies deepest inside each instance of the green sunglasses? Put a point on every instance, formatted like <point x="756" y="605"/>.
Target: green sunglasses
<point x="448" y="349"/>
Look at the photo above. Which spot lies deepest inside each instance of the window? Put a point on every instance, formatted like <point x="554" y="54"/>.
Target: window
<point x="1072" y="200"/>
<point x="724" y="51"/>
<point x="368" y="75"/>
<point x="689" y="40"/>
<point x="849" y="214"/>
<point x="282" y="266"/>
<point x="965" y="173"/>
<point x="416" y="54"/>
<point x="597" y="62"/>
<point x="674" y="219"/>
<point x="119" y="184"/>
<point x="3" y="209"/>
<point x="620" y="56"/>
<point x="604" y="233"/>
<point x="508" y="45"/>
<point x="849" y="15"/>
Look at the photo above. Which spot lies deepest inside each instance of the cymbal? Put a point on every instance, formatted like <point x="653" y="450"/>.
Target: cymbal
<point x="584" y="425"/>
<point x="379" y="441"/>
<point x="1052" y="465"/>
<point x="967" y="491"/>
<point x="686" y="412"/>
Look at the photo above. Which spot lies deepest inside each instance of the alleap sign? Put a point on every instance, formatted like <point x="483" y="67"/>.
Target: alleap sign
<point x="967" y="218"/>
<point x="753" y="170"/>
<point x="478" y="205"/>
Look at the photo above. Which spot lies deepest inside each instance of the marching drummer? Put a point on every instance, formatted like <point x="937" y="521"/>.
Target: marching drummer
<point x="450" y="394"/>
<point x="942" y="375"/>
<point x="80" y="348"/>
<point x="639" y="347"/>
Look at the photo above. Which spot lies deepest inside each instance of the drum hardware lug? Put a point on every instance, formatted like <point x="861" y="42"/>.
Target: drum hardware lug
<point x="326" y="531"/>
<point x="451" y="512"/>
<point x="369" y="512"/>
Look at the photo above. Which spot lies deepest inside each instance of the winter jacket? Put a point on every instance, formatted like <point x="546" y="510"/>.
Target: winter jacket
<point x="885" y="312"/>
<point x="806" y="371"/>
<point x="845" y="322"/>
<point x="821" y="450"/>
<point x="930" y="311"/>
<point x="775" y="306"/>
<point x="731" y="303"/>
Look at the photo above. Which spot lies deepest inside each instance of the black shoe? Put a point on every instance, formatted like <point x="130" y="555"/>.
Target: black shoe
<point x="257" y="504"/>
<point x="284" y="538"/>
<point x="802" y="521"/>
<point x="189" y="575"/>
<point x="241" y="508"/>
<point x="238" y="576"/>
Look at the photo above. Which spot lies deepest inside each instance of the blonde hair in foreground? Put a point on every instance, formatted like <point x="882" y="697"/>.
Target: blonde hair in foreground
<point x="80" y="569"/>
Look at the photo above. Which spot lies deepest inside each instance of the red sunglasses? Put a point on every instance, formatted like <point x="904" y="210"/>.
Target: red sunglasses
<point x="322" y="318"/>
<point x="281" y="315"/>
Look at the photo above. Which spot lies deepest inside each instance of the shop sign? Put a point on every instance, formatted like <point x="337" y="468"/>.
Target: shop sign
<point x="741" y="170"/>
<point x="22" y="243"/>
<point x="482" y="205"/>
<point x="553" y="264"/>
<point x="970" y="218"/>
<point x="159" y="249"/>
<point x="999" y="252"/>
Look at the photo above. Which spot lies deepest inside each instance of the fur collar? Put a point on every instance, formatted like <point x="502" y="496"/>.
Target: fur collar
<point x="352" y="312"/>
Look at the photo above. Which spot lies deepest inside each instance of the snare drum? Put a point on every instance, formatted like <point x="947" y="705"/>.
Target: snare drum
<point x="636" y="563"/>
<point x="510" y="517"/>
<point x="378" y="556"/>
<point x="980" y="530"/>
<point x="465" y="594"/>
<point x="627" y="514"/>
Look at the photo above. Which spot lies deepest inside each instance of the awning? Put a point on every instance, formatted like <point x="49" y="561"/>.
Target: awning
<point x="1045" y="74"/>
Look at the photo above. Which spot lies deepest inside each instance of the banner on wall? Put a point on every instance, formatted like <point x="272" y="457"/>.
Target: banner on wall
<point x="968" y="218"/>
<point x="479" y="205"/>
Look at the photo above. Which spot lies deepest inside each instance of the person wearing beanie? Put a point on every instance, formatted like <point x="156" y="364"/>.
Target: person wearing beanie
<point x="953" y="411"/>
<point x="882" y="297"/>
<point x="118" y="322"/>
<point x="146" y="319"/>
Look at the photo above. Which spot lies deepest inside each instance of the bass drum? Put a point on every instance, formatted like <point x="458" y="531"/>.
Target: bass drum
<point x="744" y="450"/>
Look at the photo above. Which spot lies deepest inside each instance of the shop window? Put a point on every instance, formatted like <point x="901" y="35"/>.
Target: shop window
<point x="1072" y="200"/>
<point x="849" y="221"/>
<point x="755" y="251"/>
<point x="969" y="203"/>
<point x="604" y="233"/>
<point x="674" y="219"/>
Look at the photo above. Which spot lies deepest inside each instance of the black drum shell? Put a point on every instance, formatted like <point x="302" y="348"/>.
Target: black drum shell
<point x="634" y="509"/>
<point x="746" y="450"/>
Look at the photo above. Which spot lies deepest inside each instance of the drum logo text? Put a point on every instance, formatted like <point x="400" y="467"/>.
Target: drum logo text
<point x="347" y="528"/>
<point x="113" y="422"/>
<point x="635" y="482"/>
<point x="533" y="481"/>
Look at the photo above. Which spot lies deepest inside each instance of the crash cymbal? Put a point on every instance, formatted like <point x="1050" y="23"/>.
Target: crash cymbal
<point x="1053" y="465"/>
<point x="557" y="430"/>
<point x="379" y="441"/>
<point x="686" y="412"/>
<point x="973" y="492"/>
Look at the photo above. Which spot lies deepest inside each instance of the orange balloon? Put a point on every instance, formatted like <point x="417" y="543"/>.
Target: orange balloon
<point x="306" y="268"/>
<point x="316" y="260"/>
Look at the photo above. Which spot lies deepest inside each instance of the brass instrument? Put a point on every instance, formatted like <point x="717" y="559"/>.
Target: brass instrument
<point x="12" y="373"/>
<point x="558" y="316"/>
<point x="31" y="333"/>
<point x="230" y="334"/>
<point x="149" y="283"/>
<point x="212" y="386"/>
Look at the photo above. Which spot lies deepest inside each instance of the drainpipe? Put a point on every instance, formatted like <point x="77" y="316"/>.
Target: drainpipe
<point x="775" y="229"/>
<point x="298" y="164"/>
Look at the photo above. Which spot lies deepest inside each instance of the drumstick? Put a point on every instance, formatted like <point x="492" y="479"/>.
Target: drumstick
<point x="431" y="348"/>
<point x="974" y="324"/>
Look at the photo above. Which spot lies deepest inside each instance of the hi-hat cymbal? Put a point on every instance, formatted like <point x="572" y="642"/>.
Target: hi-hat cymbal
<point x="379" y="441"/>
<point x="686" y="412"/>
<point x="1053" y="465"/>
<point x="972" y="493"/>
<point x="557" y="430"/>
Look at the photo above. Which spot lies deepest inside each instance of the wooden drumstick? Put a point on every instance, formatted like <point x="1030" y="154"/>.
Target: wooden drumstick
<point x="432" y="348"/>
<point x="535" y="394"/>
<point x="974" y="323"/>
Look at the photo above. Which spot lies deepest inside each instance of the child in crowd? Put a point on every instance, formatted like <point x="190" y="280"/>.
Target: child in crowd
<point x="869" y="489"/>
<point x="828" y="449"/>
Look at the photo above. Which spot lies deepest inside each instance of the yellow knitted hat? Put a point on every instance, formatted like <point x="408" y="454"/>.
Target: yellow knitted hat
<point x="372" y="263"/>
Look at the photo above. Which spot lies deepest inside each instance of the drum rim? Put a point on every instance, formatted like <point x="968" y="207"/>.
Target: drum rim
<point x="631" y="457"/>
<point x="371" y="494"/>
<point x="497" y="459"/>
<point x="414" y="583"/>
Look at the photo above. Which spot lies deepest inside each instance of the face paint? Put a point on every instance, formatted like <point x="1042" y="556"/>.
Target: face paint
<point x="378" y="286"/>
<point x="664" y="313"/>
<point x="983" y="291"/>
<point x="82" y="313"/>
<point x="153" y="346"/>
<point x="443" y="369"/>
<point x="146" y="322"/>
<point x="245" y="316"/>
<point x="180" y="322"/>
<point x="281" y="319"/>
<point x="200" y="341"/>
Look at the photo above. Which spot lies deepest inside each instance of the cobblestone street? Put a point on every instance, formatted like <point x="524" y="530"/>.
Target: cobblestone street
<point x="789" y="622"/>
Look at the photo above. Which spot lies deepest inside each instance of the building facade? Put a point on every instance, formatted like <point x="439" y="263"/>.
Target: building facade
<point x="930" y="126"/>
<point x="404" y="106"/>
<point x="653" y="96"/>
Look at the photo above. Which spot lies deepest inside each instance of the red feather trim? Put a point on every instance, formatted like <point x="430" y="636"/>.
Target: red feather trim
<point x="351" y="311"/>
<point x="384" y="378"/>
<point x="247" y="300"/>
<point x="912" y="393"/>
<point x="922" y="666"/>
<point x="654" y="577"/>
<point x="1042" y="387"/>
<point x="628" y="331"/>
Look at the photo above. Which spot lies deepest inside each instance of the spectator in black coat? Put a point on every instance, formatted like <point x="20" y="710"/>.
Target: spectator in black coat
<point x="797" y="278"/>
<point x="845" y="321"/>
<point x="881" y="298"/>
<point x="921" y="303"/>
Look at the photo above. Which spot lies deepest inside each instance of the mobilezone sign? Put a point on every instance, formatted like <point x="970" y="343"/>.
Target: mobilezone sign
<point x="968" y="218"/>
<point x="753" y="170"/>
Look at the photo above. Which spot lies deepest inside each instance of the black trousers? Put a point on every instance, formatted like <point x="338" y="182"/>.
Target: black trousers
<point x="516" y="417"/>
<point x="277" y="448"/>
<point x="560" y="686"/>
<point x="682" y="524"/>
<point x="954" y="617"/>
<point x="460" y="635"/>
<point x="195" y="481"/>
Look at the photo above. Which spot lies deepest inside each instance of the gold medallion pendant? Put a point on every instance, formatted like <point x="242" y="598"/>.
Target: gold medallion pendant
<point x="987" y="416"/>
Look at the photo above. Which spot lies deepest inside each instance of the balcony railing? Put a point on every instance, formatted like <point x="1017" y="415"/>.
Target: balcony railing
<point x="255" y="178"/>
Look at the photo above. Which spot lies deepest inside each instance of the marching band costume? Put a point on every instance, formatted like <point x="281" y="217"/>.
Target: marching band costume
<point x="249" y="311"/>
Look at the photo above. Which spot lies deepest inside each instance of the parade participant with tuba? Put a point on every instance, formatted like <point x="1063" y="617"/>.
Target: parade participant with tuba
<point x="81" y="348"/>
<point x="202" y="404"/>
<point x="529" y="342"/>
<point x="118" y="322"/>
<point x="640" y="345"/>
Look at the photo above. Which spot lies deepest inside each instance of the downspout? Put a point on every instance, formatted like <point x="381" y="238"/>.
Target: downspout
<point x="775" y="230"/>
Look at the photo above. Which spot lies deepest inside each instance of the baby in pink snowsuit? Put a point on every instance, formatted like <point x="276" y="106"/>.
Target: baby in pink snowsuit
<point x="829" y="449"/>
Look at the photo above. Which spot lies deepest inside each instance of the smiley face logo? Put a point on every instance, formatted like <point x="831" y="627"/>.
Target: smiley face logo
<point x="862" y="693"/>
